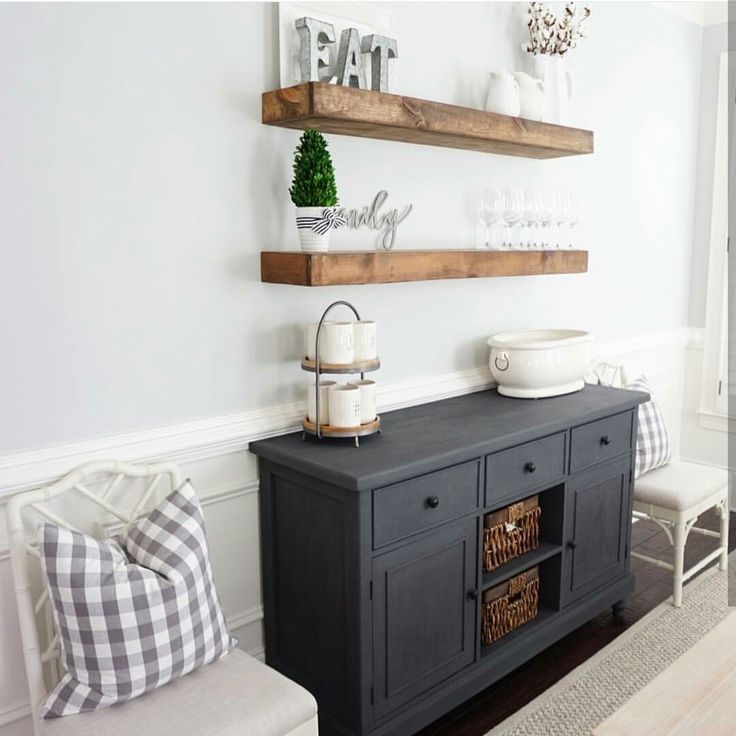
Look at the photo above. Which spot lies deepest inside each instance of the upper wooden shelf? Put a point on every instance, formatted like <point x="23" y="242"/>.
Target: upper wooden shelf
<point x="348" y="111"/>
<point x="381" y="267"/>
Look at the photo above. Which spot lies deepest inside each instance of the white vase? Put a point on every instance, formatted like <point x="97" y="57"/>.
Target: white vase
<point x="312" y="241"/>
<point x="503" y="95"/>
<point x="557" y="81"/>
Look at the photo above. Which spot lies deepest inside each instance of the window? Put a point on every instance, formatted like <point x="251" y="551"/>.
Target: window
<point x="719" y="382"/>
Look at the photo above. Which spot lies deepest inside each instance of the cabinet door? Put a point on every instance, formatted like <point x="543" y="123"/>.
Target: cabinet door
<point x="424" y="613"/>
<point x="597" y="517"/>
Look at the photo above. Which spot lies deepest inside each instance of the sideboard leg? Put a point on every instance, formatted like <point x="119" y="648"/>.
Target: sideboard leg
<point x="619" y="607"/>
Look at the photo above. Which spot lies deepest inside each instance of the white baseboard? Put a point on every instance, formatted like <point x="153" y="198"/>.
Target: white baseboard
<point x="14" y="712"/>
<point x="245" y="618"/>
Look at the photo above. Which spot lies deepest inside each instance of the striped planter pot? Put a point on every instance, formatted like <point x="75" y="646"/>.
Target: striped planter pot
<point x="311" y="240"/>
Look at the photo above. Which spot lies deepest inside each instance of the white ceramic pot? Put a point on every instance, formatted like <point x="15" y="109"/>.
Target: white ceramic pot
<point x="533" y="364"/>
<point x="344" y="401"/>
<point x="310" y="240"/>
<point x="336" y="343"/>
<point x="367" y="399"/>
<point x="312" y="338"/>
<point x="503" y="95"/>
<point x="364" y="340"/>
<point x="324" y="401"/>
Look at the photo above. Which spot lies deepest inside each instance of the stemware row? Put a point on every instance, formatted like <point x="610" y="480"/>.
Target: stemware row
<point x="536" y="218"/>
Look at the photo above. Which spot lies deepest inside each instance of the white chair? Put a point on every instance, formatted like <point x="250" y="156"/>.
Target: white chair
<point x="235" y="696"/>
<point x="673" y="497"/>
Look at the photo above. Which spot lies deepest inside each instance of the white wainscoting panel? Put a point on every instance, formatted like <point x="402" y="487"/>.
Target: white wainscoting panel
<point x="212" y="452"/>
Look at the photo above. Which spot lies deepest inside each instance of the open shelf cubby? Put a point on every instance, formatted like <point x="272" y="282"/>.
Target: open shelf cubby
<point x="547" y="557"/>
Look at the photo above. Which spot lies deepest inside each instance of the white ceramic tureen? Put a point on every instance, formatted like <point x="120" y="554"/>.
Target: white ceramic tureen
<point x="532" y="364"/>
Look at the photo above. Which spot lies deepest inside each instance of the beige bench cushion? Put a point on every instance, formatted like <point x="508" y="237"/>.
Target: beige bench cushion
<point x="236" y="696"/>
<point x="679" y="485"/>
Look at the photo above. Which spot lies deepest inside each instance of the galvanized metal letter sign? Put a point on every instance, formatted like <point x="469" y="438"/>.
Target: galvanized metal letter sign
<point x="316" y="37"/>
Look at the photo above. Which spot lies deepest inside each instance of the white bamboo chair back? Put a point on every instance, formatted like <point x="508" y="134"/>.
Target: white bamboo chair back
<point x="116" y="499"/>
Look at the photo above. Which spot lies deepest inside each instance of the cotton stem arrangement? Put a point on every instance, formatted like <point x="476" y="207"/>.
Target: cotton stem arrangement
<point x="555" y="36"/>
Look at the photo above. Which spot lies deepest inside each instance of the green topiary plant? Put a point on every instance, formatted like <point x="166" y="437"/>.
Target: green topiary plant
<point x="314" y="175"/>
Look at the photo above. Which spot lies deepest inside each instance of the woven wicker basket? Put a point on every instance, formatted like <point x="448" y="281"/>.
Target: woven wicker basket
<point x="510" y="532"/>
<point x="510" y="605"/>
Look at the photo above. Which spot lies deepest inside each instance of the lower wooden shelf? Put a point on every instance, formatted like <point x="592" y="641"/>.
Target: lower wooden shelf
<point x="510" y="640"/>
<point x="544" y="551"/>
<point x="339" y="268"/>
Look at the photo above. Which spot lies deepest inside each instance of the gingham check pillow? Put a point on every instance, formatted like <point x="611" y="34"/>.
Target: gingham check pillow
<point x="133" y="612"/>
<point x="652" y="439"/>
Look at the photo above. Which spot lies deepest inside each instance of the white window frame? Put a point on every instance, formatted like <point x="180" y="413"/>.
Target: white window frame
<point x="713" y="411"/>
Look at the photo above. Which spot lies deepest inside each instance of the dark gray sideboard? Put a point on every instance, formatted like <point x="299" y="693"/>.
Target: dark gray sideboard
<point x="372" y="574"/>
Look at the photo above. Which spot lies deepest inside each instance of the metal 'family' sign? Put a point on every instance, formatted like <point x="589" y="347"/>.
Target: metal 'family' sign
<point x="317" y="36"/>
<point x="385" y="222"/>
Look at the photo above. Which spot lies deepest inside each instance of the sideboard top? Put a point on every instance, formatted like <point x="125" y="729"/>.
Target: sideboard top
<point x="430" y="436"/>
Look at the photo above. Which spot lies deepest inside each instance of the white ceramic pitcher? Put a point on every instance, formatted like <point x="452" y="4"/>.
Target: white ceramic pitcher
<point x="557" y="82"/>
<point x="531" y="96"/>
<point x="503" y="94"/>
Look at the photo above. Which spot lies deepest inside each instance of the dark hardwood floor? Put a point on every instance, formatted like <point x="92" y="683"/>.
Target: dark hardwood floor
<point x="478" y="715"/>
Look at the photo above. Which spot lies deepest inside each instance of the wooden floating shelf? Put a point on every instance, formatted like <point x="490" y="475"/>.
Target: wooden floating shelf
<point x="340" y="268"/>
<point x="348" y="111"/>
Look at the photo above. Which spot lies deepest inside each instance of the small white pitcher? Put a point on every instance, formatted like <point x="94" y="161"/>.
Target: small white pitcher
<point x="531" y="95"/>
<point x="503" y="95"/>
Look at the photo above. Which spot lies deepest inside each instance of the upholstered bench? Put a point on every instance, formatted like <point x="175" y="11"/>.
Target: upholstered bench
<point x="236" y="696"/>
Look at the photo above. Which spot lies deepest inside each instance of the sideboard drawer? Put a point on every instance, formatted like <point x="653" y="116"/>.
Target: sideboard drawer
<point x="523" y="467"/>
<point x="597" y="441"/>
<point x="405" y="508"/>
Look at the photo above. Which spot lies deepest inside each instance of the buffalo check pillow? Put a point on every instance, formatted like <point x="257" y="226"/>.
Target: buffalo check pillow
<point x="133" y="612"/>
<point x="652" y="440"/>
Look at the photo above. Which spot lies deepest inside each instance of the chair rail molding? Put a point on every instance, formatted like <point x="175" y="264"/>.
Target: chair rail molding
<point x="200" y="439"/>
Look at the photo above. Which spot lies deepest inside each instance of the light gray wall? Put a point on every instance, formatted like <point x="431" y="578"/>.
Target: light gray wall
<point x="715" y="41"/>
<point x="137" y="187"/>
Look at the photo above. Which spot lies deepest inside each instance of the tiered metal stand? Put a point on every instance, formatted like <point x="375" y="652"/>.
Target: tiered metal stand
<point x="315" y="366"/>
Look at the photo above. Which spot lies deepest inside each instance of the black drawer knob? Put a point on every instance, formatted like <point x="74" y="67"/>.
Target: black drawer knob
<point x="572" y="544"/>
<point x="530" y="467"/>
<point x="433" y="502"/>
<point x="473" y="595"/>
<point x="605" y="440"/>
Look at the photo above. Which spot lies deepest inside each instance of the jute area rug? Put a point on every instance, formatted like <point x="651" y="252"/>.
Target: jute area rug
<point x="591" y="693"/>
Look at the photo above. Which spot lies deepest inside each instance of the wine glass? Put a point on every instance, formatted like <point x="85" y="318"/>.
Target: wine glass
<point x="532" y="206"/>
<point x="575" y="214"/>
<point x="562" y="197"/>
<point x="548" y="212"/>
<point x="512" y="212"/>
<point x="490" y="211"/>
